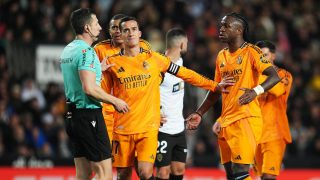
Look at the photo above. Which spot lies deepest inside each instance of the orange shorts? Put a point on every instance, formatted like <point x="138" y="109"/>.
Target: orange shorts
<point x="109" y="121"/>
<point x="238" y="141"/>
<point x="125" y="148"/>
<point x="269" y="157"/>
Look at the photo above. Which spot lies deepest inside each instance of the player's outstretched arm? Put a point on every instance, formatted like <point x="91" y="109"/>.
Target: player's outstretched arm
<point x="198" y="80"/>
<point x="194" y="119"/>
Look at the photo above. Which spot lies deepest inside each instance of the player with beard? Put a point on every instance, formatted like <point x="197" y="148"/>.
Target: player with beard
<point x="276" y="130"/>
<point x="172" y="146"/>
<point x="239" y="127"/>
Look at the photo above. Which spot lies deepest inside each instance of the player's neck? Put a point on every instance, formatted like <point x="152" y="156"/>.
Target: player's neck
<point x="118" y="45"/>
<point x="86" y="38"/>
<point x="131" y="51"/>
<point x="235" y="45"/>
<point x="173" y="54"/>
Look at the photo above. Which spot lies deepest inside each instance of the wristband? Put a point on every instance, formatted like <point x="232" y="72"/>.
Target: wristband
<point x="258" y="89"/>
<point x="198" y="114"/>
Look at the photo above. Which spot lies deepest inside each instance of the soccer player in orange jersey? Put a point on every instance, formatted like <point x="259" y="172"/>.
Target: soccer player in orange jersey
<point x="136" y="76"/>
<point x="106" y="49"/>
<point x="240" y="124"/>
<point x="275" y="132"/>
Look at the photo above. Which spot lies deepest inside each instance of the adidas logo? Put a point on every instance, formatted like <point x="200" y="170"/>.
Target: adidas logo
<point x="121" y="69"/>
<point x="238" y="157"/>
<point x="272" y="169"/>
<point x="93" y="123"/>
<point x="152" y="157"/>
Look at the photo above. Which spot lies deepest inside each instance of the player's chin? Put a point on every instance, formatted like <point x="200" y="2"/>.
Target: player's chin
<point x="133" y="43"/>
<point x="118" y="40"/>
<point x="223" y="39"/>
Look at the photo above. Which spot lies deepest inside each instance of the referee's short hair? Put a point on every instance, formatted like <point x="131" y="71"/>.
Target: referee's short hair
<point x="79" y="18"/>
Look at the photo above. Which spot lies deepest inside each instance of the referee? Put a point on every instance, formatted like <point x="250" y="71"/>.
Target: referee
<point x="82" y="73"/>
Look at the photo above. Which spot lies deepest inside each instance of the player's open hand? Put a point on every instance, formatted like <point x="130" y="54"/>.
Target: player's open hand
<point x="226" y="81"/>
<point x="104" y="65"/>
<point x="193" y="121"/>
<point x="247" y="97"/>
<point x="216" y="128"/>
<point x="121" y="106"/>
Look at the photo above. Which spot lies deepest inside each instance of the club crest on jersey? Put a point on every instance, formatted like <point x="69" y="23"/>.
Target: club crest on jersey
<point x="239" y="60"/>
<point x="159" y="157"/>
<point x="222" y="65"/>
<point x="263" y="59"/>
<point x="145" y="65"/>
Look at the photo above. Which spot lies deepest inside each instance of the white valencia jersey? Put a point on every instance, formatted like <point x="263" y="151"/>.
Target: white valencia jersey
<point x="171" y="93"/>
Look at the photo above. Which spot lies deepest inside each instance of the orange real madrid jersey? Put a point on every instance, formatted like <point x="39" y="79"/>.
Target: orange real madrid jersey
<point x="244" y="65"/>
<point x="136" y="81"/>
<point x="274" y="109"/>
<point x="106" y="49"/>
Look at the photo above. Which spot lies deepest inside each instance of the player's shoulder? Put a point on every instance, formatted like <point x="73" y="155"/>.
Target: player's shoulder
<point x="252" y="48"/>
<point x="103" y="43"/>
<point x="222" y="52"/>
<point x="158" y="55"/>
<point x="284" y="72"/>
<point x="85" y="50"/>
<point x="145" y="44"/>
<point x="115" y="56"/>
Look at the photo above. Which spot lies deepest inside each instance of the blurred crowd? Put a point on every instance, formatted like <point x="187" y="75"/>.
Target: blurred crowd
<point x="31" y="118"/>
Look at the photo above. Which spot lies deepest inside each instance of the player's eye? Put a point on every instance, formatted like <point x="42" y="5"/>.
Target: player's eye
<point x="115" y="27"/>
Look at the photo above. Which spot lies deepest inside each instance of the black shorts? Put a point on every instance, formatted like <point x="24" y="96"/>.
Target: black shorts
<point x="171" y="148"/>
<point x="87" y="131"/>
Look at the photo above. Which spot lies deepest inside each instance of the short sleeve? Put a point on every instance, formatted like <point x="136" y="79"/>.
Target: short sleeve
<point x="145" y="44"/>
<point x="258" y="60"/>
<point x="87" y="60"/>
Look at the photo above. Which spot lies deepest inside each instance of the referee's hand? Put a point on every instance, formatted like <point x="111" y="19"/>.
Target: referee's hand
<point x="121" y="106"/>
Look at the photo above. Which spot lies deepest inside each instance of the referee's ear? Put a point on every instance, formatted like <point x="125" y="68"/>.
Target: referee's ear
<point x="181" y="46"/>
